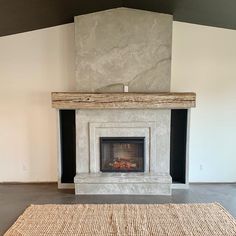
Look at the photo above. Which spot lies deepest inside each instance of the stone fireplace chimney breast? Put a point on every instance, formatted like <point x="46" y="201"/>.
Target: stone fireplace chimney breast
<point x="123" y="47"/>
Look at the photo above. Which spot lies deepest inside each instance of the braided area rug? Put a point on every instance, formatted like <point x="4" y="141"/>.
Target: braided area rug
<point x="121" y="220"/>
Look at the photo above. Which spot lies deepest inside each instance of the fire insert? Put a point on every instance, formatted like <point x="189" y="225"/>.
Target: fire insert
<point x="122" y="154"/>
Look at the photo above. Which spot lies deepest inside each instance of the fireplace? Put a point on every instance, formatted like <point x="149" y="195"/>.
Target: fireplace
<point x="111" y="60"/>
<point x="122" y="154"/>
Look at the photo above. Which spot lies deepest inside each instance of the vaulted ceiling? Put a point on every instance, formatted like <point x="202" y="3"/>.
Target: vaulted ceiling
<point x="24" y="15"/>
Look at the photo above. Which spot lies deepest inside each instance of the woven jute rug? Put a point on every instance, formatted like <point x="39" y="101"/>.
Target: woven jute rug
<point x="141" y="220"/>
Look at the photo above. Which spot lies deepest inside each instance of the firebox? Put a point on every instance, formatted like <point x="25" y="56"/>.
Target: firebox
<point x="122" y="154"/>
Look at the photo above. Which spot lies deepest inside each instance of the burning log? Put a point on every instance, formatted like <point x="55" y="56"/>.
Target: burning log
<point x="123" y="164"/>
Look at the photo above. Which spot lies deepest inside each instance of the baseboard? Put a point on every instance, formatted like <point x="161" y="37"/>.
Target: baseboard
<point x="179" y="186"/>
<point x="66" y="186"/>
<point x="33" y="182"/>
<point x="212" y="182"/>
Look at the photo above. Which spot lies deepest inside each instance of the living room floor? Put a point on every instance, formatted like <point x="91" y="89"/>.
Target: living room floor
<point x="14" y="198"/>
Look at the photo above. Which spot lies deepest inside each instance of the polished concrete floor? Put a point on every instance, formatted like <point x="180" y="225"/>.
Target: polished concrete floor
<point x="14" y="198"/>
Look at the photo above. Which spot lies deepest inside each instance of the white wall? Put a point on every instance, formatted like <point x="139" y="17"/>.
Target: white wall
<point x="31" y="66"/>
<point x="35" y="63"/>
<point x="204" y="61"/>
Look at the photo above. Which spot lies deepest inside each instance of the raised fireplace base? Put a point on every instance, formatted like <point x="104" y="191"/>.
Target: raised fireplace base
<point x="123" y="183"/>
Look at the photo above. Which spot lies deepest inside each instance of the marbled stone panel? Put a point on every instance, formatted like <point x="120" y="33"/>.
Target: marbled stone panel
<point x="121" y="47"/>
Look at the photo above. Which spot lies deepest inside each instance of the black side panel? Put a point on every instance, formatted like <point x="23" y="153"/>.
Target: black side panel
<point x="178" y="145"/>
<point x="67" y="125"/>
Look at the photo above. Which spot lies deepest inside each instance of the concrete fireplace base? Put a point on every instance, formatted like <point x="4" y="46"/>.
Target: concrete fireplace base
<point x="123" y="183"/>
<point x="151" y="124"/>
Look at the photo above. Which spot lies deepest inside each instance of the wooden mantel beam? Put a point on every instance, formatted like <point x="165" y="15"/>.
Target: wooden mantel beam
<point x="166" y="100"/>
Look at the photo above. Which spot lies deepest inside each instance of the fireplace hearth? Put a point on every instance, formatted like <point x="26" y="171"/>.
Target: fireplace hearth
<point x="122" y="154"/>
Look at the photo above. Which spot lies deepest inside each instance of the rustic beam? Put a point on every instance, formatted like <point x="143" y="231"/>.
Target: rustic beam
<point x="77" y="100"/>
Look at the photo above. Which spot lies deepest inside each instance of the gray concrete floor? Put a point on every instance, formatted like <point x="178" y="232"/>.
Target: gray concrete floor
<point x="14" y="198"/>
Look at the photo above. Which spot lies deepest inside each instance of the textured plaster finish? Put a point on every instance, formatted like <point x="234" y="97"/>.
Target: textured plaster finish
<point x="123" y="183"/>
<point x="123" y="47"/>
<point x="126" y="188"/>
<point x="133" y="177"/>
<point x="115" y="48"/>
<point x="161" y="118"/>
<point x="92" y="124"/>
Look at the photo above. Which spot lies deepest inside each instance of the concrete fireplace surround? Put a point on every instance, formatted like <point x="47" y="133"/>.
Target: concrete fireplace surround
<point x="154" y="125"/>
<point x="117" y="48"/>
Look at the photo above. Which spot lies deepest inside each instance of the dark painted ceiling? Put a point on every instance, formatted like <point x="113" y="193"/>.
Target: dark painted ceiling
<point x="24" y="15"/>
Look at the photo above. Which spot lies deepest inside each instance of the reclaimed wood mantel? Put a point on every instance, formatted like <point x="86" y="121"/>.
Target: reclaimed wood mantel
<point x="166" y="100"/>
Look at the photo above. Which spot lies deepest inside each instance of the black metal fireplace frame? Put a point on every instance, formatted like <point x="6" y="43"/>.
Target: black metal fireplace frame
<point x="139" y="140"/>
